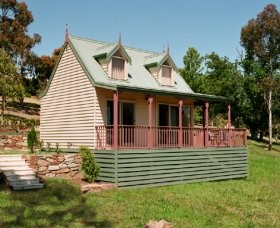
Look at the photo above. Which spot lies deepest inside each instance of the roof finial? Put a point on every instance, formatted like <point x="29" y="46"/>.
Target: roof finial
<point x="120" y="39"/>
<point x="66" y="33"/>
<point x="167" y="52"/>
<point x="163" y="49"/>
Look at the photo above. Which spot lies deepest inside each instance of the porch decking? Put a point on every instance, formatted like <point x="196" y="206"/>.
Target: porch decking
<point x="145" y="137"/>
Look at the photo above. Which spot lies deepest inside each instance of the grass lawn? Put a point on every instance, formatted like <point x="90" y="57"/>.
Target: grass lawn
<point x="254" y="202"/>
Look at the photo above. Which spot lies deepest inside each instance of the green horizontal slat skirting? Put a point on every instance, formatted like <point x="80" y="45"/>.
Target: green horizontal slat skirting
<point x="202" y="177"/>
<point x="105" y="164"/>
<point x="101" y="178"/>
<point x="165" y="170"/>
<point x="108" y="170"/>
<point x="139" y="168"/>
<point x="183" y="181"/>
<point x="207" y="164"/>
<point x="175" y="154"/>
<point x="106" y="160"/>
<point x="186" y="157"/>
<point x="180" y="174"/>
<point x="179" y="161"/>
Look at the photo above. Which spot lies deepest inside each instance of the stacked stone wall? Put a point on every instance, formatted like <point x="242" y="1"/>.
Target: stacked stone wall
<point x="13" y="142"/>
<point x="55" y="165"/>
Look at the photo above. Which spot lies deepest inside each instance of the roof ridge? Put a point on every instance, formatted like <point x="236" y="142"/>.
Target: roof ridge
<point x="89" y="39"/>
<point x="105" y="46"/>
<point x="154" y="55"/>
<point x="108" y="43"/>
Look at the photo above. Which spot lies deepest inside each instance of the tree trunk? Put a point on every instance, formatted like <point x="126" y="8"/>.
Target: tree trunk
<point x="270" y="120"/>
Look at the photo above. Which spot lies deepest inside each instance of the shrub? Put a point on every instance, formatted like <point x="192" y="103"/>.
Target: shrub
<point x="89" y="166"/>
<point x="32" y="140"/>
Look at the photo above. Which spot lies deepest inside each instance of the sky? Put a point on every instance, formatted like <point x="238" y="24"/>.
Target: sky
<point x="208" y="26"/>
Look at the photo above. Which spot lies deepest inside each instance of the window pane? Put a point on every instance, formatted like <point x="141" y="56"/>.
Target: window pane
<point x="163" y="115"/>
<point x="174" y="116"/>
<point x="186" y="116"/>
<point x="110" y="113"/>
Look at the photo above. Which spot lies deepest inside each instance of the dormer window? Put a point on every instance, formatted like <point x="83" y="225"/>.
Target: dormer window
<point x="118" y="68"/>
<point x="166" y="74"/>
<point x="166" y="71"/>
<point x="162" y="68"/>
<point x="114" y="61"/>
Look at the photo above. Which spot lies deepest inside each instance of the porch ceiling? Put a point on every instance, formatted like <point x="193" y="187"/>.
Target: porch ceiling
<point x="199" y="98"/>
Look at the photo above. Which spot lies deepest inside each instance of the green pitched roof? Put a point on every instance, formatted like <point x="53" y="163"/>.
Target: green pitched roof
<point x="140" y="79"/>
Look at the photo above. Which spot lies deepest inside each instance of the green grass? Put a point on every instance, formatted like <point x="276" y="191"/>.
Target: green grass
<point x="252" y="202"/>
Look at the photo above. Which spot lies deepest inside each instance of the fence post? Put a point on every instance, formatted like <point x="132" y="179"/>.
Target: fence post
<point x="206" y="135"/>
<point x="116" y="101"/>
<point x="245" y="137"/>
<point x="180" y="135"/>
<point x="229" y="127"/>
<point x="150" y="136"/>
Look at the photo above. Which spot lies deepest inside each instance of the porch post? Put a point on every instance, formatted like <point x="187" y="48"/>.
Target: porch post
<point x="180" y="134"/>
<point x="229" y="125"/>
<point x="116" y="118"/>
<point x="150" y="135"/>
<point x="206" y="135"/>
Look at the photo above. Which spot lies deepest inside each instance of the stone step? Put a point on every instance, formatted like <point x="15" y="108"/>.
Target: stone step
<point x="20" y="177"/>
<point x="10" y="158"/>
<point x="14" y="163"/>
<point x="19" y="172"/>
<point x="23" y="182"/>
<point x="15" y="168"/>
<point x="28" y="187"/>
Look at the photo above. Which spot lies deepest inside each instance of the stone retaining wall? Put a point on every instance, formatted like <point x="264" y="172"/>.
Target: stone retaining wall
<point x="13" y="142"/>
<point x="55" y="165"/>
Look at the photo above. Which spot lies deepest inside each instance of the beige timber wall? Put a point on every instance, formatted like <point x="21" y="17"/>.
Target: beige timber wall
<point x="70" y="107"/>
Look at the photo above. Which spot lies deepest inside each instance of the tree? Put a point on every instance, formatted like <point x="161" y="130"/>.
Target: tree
<point x="223" y="78"/>
<point x="192" y="68"/>
<point x="261" y="40"/>
<point x="10" y="84"/>
<point x="14" y="38"/>
<point x="41" y="70"/>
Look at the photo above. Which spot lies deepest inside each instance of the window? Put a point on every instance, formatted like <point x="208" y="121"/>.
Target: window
<point x="169" y="115"/>
<point x="166" y="75"/>
<point x="118" y="65"/>
<point x="166" y="71"/>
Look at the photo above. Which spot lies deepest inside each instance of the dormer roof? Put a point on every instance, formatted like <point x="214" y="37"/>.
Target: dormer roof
<point x="159" y="59"/>
<point x="108" y="51"/>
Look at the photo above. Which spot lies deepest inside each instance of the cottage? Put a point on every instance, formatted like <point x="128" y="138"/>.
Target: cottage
<point x="137" y="113"/>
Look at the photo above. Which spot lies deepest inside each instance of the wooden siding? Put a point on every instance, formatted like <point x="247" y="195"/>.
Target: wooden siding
<point x="132" y="168"/>
<point x="70" y="109"/>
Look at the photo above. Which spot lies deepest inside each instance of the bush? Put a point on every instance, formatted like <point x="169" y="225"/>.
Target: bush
<point x="89" y="166"/>
<point x="32" y="140"/>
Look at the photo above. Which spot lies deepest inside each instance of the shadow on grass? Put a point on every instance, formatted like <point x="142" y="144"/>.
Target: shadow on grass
<point x="60" y="203"/>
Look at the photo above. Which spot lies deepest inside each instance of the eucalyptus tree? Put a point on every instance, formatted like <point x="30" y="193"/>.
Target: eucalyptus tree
<point x="261" y="40"/>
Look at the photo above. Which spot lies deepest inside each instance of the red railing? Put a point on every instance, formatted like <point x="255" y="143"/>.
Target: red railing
<point x="168" y="137"/>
